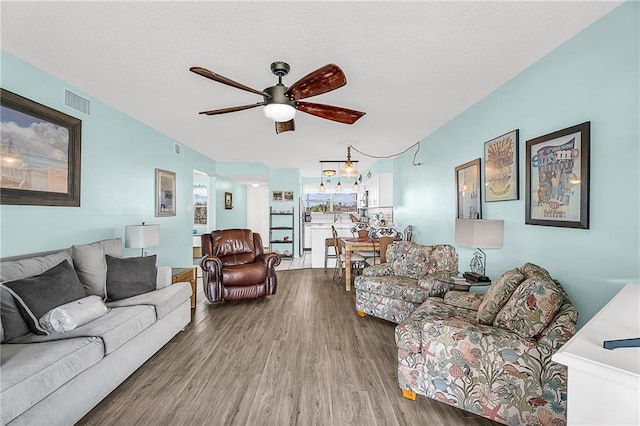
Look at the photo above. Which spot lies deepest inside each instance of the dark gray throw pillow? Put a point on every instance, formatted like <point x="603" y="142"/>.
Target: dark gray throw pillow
<point x="130" y="276"/>
<point x="37" y="295"/>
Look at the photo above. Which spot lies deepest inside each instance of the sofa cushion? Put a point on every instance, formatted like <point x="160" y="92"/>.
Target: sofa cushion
<point x="21" y="268"/>
<point x="427" y="318"/>
<point x="91" y="266"/>
<point x="128" y="277"/>
<point x="73" y="314"/>
<point x="497" y="295"/>
<point x="164" y="300"/>
<point x="30" y="372"/>
<point x="532" y="306"/>
<point x="115" y="328"/>
<point x="394" y="287"/>
<point x="39" y="294"/>
<point x="13" y="325"/>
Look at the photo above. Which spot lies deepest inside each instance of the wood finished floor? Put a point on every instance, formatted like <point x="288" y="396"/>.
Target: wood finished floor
<point x="300" y="357"/>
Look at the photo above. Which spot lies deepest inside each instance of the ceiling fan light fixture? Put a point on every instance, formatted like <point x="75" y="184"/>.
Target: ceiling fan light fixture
<point x="279" y="112"/>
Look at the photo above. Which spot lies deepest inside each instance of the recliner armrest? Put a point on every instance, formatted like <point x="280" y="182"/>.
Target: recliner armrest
<point x="270" y="259"/>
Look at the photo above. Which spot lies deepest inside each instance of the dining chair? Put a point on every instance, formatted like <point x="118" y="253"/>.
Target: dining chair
<point x="341" y="259"/>
<point x="408" y="233"/>
<point x="381" y="257"/>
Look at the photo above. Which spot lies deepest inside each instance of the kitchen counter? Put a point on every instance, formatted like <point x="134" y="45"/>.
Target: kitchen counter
<point x="320" y="232"/>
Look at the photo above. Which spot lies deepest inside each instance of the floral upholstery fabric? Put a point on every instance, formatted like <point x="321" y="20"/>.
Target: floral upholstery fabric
<point x="531" y="307"/>
<point x="464" y="299"/>
<point x="497" y="295"/>
<point x="445" y="354"/>
<point x="394" y="289"/>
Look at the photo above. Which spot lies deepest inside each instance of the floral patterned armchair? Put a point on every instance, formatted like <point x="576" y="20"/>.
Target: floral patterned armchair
<point x="490" y="354"/>
<point x="393" y="290"/>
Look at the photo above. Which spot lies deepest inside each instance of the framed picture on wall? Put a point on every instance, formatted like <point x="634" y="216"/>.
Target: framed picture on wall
<point x="287" y="195"/>
<point x="228" y="200"/>
<point x="468" y="190"/>
<point x="501" y="181"/>
<point x="277" y="196"/>
<point x="557" y="178"/>
<point x="165" y="193"/>
<point x="40" y="154"/>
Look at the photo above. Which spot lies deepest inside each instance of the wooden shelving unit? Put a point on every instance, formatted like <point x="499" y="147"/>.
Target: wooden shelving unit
<point x="281" y="229"/>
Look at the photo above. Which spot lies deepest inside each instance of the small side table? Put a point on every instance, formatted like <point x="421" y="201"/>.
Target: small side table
<point x="181" y="275"/>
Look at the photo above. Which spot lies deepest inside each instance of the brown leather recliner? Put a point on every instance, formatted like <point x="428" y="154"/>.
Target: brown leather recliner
<point x="235" y="266"/>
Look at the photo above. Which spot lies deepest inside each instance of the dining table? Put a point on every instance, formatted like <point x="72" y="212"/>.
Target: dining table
<point x="351" y="244"/>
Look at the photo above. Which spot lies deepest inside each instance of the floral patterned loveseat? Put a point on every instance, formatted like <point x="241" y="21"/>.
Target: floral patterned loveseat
<point x="490" y="354"/>
<point x="393" y="290"/>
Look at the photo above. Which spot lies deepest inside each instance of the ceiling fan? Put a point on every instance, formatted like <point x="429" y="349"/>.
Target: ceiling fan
<point x="281" y="102"/>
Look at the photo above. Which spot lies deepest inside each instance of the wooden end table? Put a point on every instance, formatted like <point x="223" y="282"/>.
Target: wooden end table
<point x="190" y="275"/>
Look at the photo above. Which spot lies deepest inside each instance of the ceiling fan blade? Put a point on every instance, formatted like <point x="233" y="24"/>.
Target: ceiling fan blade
<point x="224" y="80"/>
<point x="285" y="126"/>
<point x="231" y="109"/>
<point x="322" y="80"/>
<point x="330" y="112"/>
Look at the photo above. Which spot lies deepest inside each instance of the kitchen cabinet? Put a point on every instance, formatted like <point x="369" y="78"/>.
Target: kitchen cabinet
<point x="319" y="232"/>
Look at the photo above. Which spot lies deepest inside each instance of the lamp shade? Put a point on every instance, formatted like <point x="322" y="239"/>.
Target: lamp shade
<point x="142" y="236"/>
<point x="481" y="233"/>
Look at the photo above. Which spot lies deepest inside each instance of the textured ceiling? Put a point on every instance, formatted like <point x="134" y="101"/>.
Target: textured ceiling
<point x="411" y="66"/>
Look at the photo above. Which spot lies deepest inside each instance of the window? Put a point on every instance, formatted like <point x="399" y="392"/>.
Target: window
<point x="321" y="202"/>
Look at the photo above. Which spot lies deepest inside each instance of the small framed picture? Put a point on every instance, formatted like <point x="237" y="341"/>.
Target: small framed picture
<point x="165" y="193"/>
<point x="277" y="196"/>
<point x="468" y="190"/>
<point x="287" y="195"/>
<point x="228" y="200"/>
<point x="557" y="178"/>
<point x="501" y="182"/>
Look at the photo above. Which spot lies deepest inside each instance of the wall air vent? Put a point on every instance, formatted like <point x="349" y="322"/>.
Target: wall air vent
<point x="77" y="102"/>
<point x="178" y="149"/>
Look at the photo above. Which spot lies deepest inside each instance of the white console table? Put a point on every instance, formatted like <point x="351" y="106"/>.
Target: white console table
<point x="603" y="384"/>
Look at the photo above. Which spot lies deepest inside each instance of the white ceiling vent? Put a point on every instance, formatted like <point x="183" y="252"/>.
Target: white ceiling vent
<point x="178" y="149"/>
<point x="77" y="102"/>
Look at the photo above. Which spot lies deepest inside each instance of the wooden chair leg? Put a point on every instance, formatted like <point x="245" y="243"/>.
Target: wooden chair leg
<point x="361" y="313"/>
<point x="409" y="394"/>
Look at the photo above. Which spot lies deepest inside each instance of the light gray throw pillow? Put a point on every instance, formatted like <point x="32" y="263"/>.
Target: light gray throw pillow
<point x="91" y="266"/>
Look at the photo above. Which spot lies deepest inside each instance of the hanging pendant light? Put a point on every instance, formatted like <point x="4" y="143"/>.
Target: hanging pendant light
<point x="321" y="180"/>
<point x="355" y="185"/>
<point x="349" y="170"/>
<point x="339" y="185"/>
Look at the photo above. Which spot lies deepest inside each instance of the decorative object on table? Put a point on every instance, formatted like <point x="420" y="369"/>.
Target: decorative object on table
<point x="281" y="102"/>
<point x="501" y="168"/>
<point x="277" y="196"/>
<point x="38" y="168"/>
<point x="228" y="200"/>
<point x="557" y="178"/>
<point x="165" y="193"/>
<point x="479" y="233"/>
<point x="621" y="343"/>
<point x="141" y="236"/>
<point x="468" y="190"/>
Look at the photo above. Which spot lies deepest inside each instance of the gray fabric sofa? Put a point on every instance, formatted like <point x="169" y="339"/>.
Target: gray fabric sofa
<point x="58" y="378"/>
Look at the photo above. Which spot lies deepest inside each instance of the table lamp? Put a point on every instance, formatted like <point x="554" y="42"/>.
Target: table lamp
<point x="479" y="233"/>
<point x="142" y="236"/>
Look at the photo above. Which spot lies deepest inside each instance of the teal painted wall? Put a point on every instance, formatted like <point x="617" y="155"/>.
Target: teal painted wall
<point x="235" y="217"/>
<point x="119" y="158"/>
<point x="592" y="77"/>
